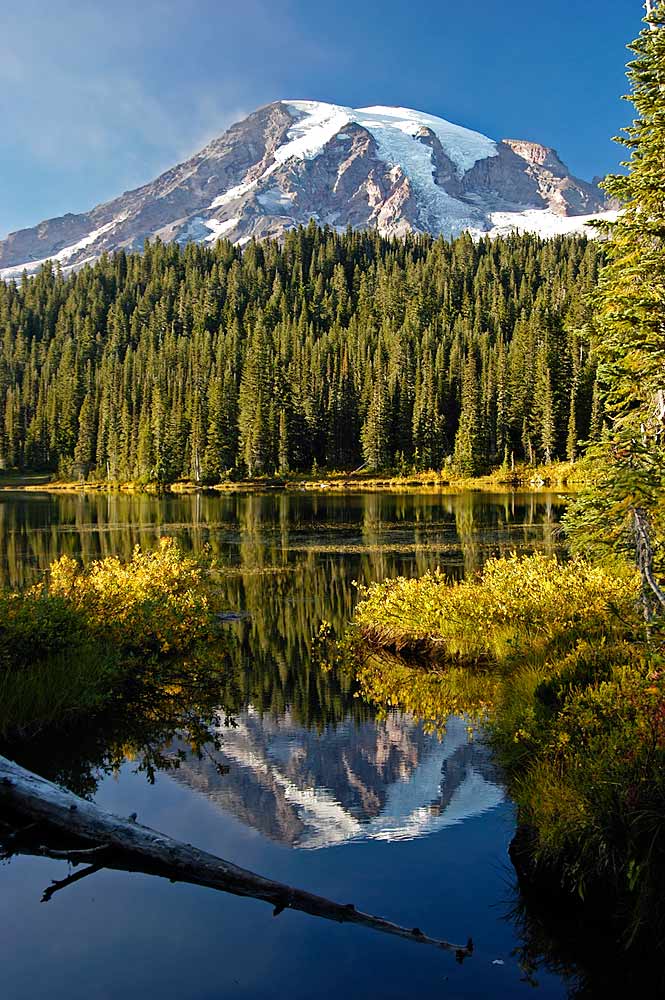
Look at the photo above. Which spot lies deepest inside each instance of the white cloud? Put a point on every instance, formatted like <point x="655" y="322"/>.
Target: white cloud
<point x="97" y="97"/>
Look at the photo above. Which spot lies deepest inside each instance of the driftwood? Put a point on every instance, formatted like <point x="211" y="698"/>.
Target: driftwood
<point x="651" y="591"/>
<point x="124" y="845"/>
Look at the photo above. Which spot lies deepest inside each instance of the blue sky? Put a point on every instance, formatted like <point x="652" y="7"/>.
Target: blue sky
<point x="99" y="97"/>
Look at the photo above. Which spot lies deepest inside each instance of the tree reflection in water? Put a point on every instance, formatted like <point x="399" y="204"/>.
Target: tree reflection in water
<point x="267" y="729"/>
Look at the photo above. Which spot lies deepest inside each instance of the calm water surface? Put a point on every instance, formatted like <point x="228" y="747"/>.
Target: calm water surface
<point x="307" y="786"/>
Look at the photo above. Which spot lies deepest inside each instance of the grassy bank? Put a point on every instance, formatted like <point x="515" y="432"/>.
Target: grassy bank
<point x="519" y="607"/>
<point x="557" y="475"/>
<point x="72" y="644"/>
<point x="575" y="704"/>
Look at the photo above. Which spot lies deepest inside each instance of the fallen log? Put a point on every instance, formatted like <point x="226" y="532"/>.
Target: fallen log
<point x="124" y="845"/>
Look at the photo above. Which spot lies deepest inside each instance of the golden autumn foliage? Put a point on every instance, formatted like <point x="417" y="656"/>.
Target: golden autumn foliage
<point x="155" y="602"/>
<point x="532" y="601"/>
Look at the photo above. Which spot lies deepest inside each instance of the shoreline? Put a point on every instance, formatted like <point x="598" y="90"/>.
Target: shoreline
<point x="557" y="477"/>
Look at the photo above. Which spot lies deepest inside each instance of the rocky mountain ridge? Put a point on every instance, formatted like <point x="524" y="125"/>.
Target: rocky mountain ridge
<point x="393" y="169"/>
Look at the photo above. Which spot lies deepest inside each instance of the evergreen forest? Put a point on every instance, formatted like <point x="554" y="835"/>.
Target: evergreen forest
<point x="325" y="351"/>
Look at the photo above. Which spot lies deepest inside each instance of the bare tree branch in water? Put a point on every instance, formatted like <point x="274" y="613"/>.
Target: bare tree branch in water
<point x="55" y="886"/>
<point x="124" y="845"/>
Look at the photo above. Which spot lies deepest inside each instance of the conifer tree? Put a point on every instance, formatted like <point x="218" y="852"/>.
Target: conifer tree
<point x="631" y="322"/>
<point x="283" y="445"/>
<point x="544" y="427"/>
<point x="254" y="405"/>
<point x="468" y="449"/>
<point x="85" y="444"/>
<point x="376" y="429"/>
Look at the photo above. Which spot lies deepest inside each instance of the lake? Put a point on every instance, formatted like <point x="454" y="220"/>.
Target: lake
<point x="304" y="783"/>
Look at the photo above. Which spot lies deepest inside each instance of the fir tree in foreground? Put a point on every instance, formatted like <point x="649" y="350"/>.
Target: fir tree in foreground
<point x="627" y="508"/>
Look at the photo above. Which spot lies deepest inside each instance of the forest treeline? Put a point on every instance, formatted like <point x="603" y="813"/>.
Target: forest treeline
<point x="325" y="351"/>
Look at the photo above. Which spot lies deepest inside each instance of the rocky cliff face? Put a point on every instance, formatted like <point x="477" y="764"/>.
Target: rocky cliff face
<point x="393" y="169"/>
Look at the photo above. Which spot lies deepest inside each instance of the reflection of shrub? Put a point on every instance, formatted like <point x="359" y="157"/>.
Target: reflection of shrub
<point x="430" y="695"/>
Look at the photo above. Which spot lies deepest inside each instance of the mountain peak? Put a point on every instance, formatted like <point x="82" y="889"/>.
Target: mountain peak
<point x="318" y="122"/>
<point x="538" y="155"/>
<point x="392" y="168"/>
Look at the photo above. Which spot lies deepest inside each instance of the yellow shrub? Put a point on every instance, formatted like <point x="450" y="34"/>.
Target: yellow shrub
<point x="155" y="602"/>
<point x="533" y="599"/>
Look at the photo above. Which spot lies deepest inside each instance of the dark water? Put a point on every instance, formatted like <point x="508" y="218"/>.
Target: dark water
<point x="307" y="786"/>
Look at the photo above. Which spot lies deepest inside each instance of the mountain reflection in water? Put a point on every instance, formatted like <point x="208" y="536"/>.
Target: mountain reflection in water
<point x="382" y="780"/>
<point x="303" y="766"/>
<point x="308" y="764"/>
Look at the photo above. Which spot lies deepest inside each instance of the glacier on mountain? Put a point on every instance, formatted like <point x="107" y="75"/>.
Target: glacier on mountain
<point x="321" y="122"/>
<point x="393" y="169"/>
<point x="544" y="223"/>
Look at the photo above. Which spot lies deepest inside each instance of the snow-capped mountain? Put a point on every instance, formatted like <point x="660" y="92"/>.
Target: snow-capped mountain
<point x="394" y="169"/>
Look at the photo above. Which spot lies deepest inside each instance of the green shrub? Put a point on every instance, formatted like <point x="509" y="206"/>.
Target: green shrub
<point x="518" y="604"/>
